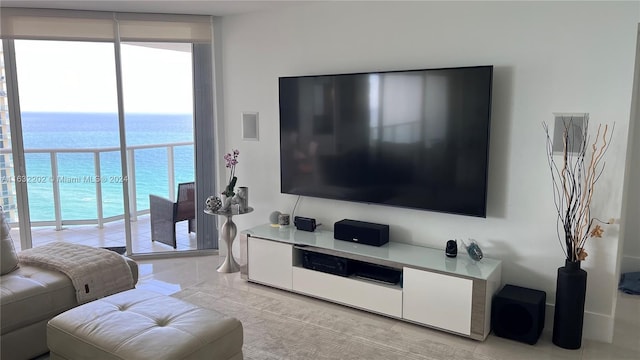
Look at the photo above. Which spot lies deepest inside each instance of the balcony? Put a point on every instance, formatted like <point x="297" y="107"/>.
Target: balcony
<point x="110" y="235"/>
<point x="97" y="227"/>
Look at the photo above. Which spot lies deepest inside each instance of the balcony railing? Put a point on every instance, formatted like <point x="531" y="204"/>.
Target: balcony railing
<point x="56" y="179"/>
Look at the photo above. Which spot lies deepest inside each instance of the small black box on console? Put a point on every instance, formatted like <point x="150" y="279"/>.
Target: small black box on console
<point x="361" y="232"/>
<point x="304" y="223"/>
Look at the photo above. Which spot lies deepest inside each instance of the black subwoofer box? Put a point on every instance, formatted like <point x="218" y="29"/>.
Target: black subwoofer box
<point x="361" y="232"/>
<point x="517" y="313"/>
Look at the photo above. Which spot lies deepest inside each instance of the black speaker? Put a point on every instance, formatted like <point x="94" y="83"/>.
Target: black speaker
<point x="451" y="250"/>
<point x="517" y="313"/>
<point x="361" y="232"/>
<point x="304" y="223"/>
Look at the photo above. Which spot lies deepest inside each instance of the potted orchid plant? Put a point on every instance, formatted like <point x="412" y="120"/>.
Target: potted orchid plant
<point x="223" y="203"/>
<point x="231" y="160"/>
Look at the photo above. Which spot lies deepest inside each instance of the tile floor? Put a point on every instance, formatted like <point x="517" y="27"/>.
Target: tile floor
<point x="112" y="234"/>
<point x="169" y="276"/>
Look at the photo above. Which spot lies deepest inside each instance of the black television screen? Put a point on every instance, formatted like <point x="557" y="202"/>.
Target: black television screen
<point x="416" y="139"/>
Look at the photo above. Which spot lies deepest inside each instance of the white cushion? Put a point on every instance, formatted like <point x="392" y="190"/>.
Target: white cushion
<point x="31" y="294"/>
<point x="8" y="256"/>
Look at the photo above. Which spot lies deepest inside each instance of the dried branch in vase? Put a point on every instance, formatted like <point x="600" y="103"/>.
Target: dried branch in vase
<point x="574" y="180"/>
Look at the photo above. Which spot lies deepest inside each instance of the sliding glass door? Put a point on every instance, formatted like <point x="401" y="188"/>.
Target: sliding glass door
<point x="158" y="103"/>
<point x="104" y="119"/>
<point x="71" y="136"/>
<point x="70" y="132"/>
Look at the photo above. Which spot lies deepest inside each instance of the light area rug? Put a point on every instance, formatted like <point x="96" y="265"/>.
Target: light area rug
<point x="282" y="325"/>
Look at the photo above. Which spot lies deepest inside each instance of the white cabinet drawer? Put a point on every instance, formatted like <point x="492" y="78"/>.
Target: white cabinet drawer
<point x="349" y="291"/>
<point x="437" y="300"/>
<point x="270" y="262"/>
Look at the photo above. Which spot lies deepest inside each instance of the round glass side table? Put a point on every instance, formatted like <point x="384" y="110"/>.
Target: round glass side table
<point x="228" y="234"/>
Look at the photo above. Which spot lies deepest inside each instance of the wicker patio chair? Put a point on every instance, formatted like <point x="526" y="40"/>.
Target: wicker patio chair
<point x="165" y="214"/>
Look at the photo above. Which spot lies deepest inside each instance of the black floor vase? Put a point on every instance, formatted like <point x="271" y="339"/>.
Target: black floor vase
<point x="571" y="287"/>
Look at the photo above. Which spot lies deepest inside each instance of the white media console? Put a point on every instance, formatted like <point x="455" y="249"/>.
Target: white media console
<point x="450" y="294"/>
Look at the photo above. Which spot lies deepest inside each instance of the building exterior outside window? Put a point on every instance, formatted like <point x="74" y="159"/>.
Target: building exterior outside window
<point x="8" y="195"/>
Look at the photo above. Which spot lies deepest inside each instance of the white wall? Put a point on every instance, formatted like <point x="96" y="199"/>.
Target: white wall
<point x="548" y="57"/>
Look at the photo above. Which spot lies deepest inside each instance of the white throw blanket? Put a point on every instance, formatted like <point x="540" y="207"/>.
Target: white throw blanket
<point x="94" y="272"/>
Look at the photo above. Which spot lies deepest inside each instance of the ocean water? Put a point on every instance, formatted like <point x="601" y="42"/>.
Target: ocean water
<point x="76" y="171"/>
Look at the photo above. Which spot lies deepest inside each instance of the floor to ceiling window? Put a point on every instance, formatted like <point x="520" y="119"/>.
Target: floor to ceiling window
<point x="106" y="111"/>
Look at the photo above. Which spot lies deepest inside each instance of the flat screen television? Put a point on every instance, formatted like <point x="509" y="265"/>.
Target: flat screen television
<point x="416" y="139"/>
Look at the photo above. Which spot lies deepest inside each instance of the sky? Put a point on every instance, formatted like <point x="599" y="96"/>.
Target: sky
<point x="61" y="76"/>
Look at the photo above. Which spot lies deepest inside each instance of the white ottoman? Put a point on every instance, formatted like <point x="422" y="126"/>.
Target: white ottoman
<point x="139" y="324"/>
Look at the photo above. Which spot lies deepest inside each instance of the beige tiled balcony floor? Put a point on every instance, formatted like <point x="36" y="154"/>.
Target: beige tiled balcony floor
<point x="112" y="234"/>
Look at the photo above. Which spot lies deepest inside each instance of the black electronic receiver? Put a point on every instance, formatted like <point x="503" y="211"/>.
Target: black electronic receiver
<point x="327" y="263"/>
<point x="377" y="272"/>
